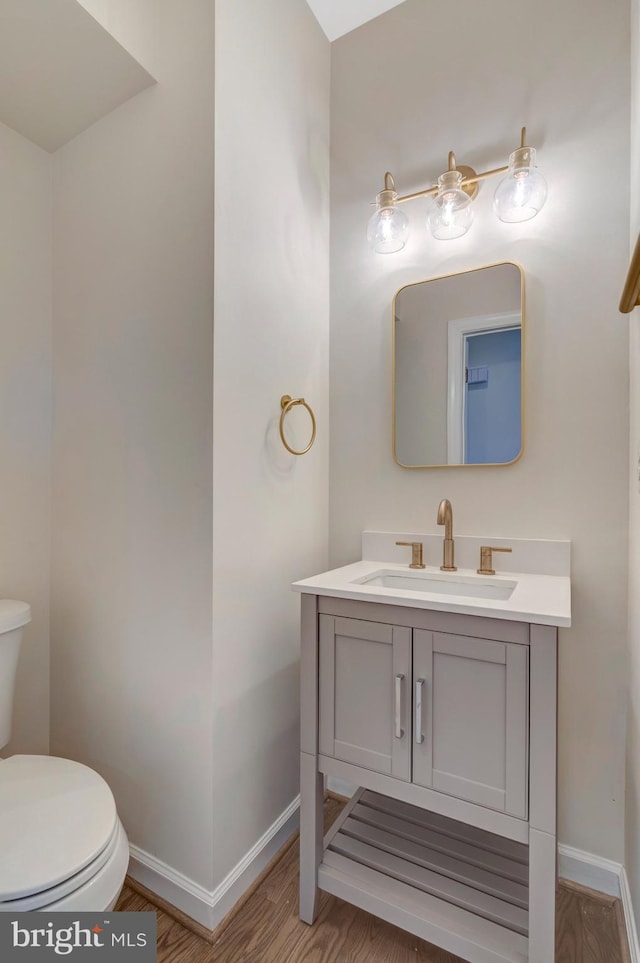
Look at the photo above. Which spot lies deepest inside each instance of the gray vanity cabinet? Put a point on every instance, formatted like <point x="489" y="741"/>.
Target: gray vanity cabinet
<point x="447" y="712"/>
<point x="471" y="707"/>
<point x="365" y="688"/>
<point x="447" y="724"/>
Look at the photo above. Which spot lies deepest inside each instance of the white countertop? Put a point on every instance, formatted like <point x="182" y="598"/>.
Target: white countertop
<point x="542" y="599"/>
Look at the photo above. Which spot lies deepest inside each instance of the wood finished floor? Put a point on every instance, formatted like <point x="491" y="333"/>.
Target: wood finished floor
<point x="267" y="928"/>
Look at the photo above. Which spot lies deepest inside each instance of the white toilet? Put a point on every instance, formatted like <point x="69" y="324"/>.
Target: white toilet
<point x="62" y="846"/>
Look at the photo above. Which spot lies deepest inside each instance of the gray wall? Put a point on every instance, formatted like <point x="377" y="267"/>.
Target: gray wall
<point x="161" y="508"/>
<point x="25" y="421"/>
<point x="133" y="325"/>
<point x="632" y="816"/>
<point x="271" y="338"/>
<point x="402" y="97"/>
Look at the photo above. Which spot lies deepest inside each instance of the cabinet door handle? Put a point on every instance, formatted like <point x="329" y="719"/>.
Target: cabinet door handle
<point x="398" y="706"/>
<point x="418" y="727"/>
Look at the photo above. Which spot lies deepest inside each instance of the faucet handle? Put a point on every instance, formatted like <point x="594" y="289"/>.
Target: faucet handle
<point x="416" y="554"/>
<point x="486" y="561"/>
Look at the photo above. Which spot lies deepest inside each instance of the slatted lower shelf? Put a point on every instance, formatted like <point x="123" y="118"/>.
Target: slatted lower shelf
<point x="443" y="880"/>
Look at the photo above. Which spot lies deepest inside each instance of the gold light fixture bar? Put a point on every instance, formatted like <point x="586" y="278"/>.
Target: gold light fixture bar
<point x="520" y="195"/>
<point x="469" y="176"/>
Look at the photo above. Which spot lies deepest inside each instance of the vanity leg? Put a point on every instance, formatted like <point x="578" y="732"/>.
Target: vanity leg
<point x="311" y="834"/>
<point x="542" y="897"/>
<point x="542" y="796"/>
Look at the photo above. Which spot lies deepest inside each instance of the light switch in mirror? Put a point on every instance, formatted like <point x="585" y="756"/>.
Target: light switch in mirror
<point x="458" y="371"/>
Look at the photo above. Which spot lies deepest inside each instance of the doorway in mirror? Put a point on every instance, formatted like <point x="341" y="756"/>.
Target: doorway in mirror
<point x="492" y="409"/>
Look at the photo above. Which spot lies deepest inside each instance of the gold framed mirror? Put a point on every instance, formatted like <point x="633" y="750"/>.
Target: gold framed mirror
<point x="458" y="369"/>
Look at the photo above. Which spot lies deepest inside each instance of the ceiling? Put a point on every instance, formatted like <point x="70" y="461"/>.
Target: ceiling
<point x="337" y="17"/>
<point x="60" y="70"/>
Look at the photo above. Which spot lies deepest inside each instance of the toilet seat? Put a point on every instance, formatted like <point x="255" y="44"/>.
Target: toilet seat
<point x="13" y="614"/>
<point x="58" y="829"/>
<point x="56" y="896"/>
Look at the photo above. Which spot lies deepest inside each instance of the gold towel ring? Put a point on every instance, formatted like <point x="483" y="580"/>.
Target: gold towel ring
<point x="287" y="403"/>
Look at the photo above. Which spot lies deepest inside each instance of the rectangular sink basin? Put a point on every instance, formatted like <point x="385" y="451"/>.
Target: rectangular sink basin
<point x="444" y="583"/>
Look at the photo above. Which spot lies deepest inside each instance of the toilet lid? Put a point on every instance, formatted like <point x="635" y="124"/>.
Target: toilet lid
<point x="13" y="614"/>
<point x="56" y="817"/>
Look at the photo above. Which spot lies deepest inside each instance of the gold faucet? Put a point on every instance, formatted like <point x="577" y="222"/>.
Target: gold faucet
<point x="416" y="554"/>
<point x="445" y="517"/>
<point x="486" y="562"/>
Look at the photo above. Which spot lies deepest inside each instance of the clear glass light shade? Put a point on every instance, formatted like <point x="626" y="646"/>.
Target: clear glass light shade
<point x="450" y="214"/>
<point x="522" y="193"/>
<point x="388" y="227"/>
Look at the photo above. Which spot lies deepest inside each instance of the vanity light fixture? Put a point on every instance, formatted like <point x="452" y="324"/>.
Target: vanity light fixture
<point x="450" y="212"/>
<point x="519" y="196"/>
<point x="388" y="228"/>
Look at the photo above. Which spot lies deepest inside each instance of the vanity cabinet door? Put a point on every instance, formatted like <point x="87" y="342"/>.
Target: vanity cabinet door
<point x="471" y="737"/>
<point x="365" y="693"/>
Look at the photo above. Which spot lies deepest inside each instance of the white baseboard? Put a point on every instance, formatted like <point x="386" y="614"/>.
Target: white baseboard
<point x="210" y="907"/>
<point x="170" y="885"/>
<point x="605" y="876"/>
<point x="341" y="787"/>
<point x="589" y="870"/>
<point x="629" y="918"/>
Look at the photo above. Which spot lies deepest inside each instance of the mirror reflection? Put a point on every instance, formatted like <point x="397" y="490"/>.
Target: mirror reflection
<point x="458" y="373"/>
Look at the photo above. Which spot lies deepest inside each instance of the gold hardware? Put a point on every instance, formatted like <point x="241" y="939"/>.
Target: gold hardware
<point x="287" y="403"/>
<point x="416" y="554"/>
<point x="631" y="292"/>
<point x="485" y="559"/>
<point x="387" y="196"/>
<point x="470" y="178"/>
<point x="442" y="277"/>
<point x="445" y="517"/>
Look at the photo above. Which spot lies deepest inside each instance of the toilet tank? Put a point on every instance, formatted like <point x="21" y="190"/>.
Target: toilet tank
<point x="13" y="616"/>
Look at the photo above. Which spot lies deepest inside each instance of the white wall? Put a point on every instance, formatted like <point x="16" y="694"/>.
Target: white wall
<point x="271" y="338"/>
<point x="135" y="681"/>
<point x="401" y="99"/>
<point x="25" y="421"/>
<point x="632" y="855"/>
<point x="133" y="317"/>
